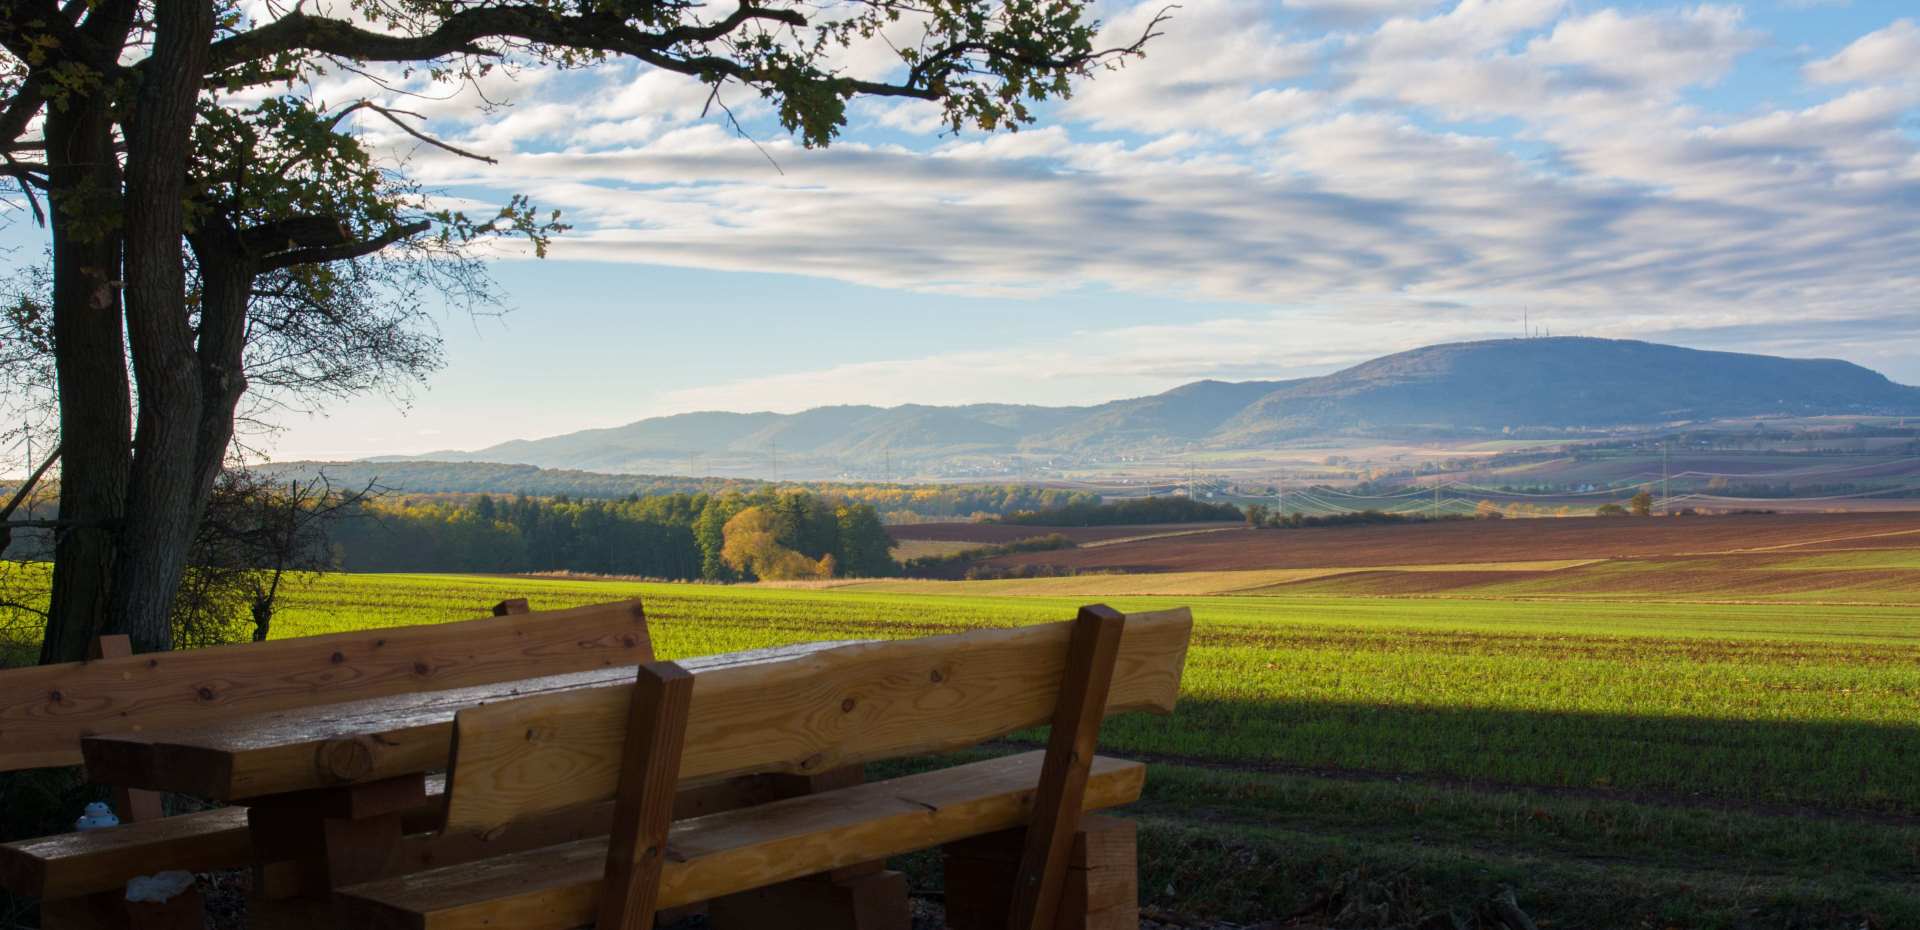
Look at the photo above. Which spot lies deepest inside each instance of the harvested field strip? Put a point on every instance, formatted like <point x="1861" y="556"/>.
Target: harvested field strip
<point x="988" y="533"/>
<point x="1097" y="543"/>
<point x="1175" y="583"/>
<point x="1892" y="537"/>
<point x="921" y="548"/>
<point x="1884" y="577"/>
<point x="1477" y="542"/>
<point x="1853" y="559"/>
<point x="1096" y="586"/>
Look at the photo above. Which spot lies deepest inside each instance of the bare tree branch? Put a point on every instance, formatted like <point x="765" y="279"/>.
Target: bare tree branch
<point x="347" y="250"/>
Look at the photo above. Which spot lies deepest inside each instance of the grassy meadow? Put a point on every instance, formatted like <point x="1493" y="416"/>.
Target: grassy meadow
<point x="1378" y="761"/>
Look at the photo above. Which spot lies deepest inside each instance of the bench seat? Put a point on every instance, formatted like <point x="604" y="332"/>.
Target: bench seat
<point x="557" y="888"/>
<point x="68" y="865"/>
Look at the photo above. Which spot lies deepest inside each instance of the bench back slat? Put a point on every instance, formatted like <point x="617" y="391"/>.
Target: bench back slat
<point x="45" y="710"/>
<point x="861" y="703"/>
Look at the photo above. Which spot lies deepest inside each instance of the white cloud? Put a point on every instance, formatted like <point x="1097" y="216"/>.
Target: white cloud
<point x="1661" y="51"/>
<point x="1475" y="156"/>
<point x="1215" y="67"/>
<point x="1889" y="54"/>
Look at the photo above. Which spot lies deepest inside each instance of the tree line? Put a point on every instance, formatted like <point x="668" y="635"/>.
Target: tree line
<point x="897" y="503"/>
<point x="679" y="537"/>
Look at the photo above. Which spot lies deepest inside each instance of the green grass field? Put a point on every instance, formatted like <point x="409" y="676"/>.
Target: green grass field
<point x="1617" y="763"/>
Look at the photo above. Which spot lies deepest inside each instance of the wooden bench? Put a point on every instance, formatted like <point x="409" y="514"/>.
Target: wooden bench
<point x="635" y="746"/>
<point x="45" y="711"/>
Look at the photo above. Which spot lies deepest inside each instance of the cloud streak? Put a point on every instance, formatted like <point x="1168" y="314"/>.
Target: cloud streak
<point x="1336" y="166"/>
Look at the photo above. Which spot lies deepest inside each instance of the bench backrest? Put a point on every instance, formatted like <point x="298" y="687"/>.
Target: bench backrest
<point x="536" y="756"/>
<point x="45" y="710"/>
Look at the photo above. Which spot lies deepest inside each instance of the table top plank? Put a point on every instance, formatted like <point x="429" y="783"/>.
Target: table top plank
<point x="273" y="753"/>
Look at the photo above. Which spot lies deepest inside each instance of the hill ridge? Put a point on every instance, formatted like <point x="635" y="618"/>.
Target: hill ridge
<point x="1452" y="390"/>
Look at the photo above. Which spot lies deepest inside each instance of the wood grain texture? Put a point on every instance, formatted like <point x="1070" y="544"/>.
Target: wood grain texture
<point x="558" y="887"/>
<point x="1042" y="875"/>
<point x="327" y="745"/>
<point x="840" y="707"/>
<point x="68" y="865"/>
<point x="132" y="804"/>
<point x="643" y="809"/>
<point x="45" y="711"/>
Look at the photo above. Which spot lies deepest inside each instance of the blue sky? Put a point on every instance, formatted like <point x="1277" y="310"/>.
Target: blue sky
<point x="1282" y="187"/>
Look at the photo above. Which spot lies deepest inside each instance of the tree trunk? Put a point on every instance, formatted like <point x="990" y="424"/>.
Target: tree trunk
<point x="226" y="288"/>
<point x="161" y="489"/>
<point x="90" y="362"/>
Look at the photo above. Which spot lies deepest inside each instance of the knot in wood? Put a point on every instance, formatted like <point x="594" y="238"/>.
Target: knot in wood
<point x="847" y="706"/>
<point x="207" y="693"/>
<point x="346" y="759"/>
<point x="421" y="668"/>
<point x="55" y="696"/>
<point x="338" y="658"/>
<point x="937" y="677"/>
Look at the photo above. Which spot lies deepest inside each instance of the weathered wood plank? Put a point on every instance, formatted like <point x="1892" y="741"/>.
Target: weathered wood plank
<point x="68" y="865"/>
<point x="132" y="804"/>
<point x="643" y="809"/>
<point x="827" y="710"/>
<point x="1070" y="744"/>
<point x="322" y="746"/>
<point x="558" y="887"/>
<point x="45" y="711"/>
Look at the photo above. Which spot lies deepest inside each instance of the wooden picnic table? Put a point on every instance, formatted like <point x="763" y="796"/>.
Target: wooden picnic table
<point x="333" y="790"/>
<point x="338" y="745"/>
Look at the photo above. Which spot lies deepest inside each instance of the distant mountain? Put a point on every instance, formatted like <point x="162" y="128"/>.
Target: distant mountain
<point x="1456" y="390"/>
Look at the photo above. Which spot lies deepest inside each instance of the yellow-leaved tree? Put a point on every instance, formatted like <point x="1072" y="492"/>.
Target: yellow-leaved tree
<point x="752" y="547"/>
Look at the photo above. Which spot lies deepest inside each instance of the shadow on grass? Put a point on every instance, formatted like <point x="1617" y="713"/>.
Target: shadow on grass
<point x="1825" y="764"/>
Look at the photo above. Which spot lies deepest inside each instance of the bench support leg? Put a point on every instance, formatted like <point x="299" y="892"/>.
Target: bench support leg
<point x="308" y="843"/>
<point x="643" y="810"/>
<point x="1102" y="890"/>
<point x="1091" y="654"/>
<point x="858" y="897"/>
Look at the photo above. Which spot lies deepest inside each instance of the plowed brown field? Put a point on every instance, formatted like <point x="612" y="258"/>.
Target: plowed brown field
<point x="992" y="533"/>
<point x="1485" y="541"/>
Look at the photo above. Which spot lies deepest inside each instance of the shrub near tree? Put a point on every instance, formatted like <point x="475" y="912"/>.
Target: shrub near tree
<point x="1641" y="504"/>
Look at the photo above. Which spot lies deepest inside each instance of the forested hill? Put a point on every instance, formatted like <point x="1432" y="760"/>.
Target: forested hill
<point x="1457" y="390"/>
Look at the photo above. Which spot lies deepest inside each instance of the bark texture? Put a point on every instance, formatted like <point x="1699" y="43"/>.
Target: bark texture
<point x="162" y="497"/>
